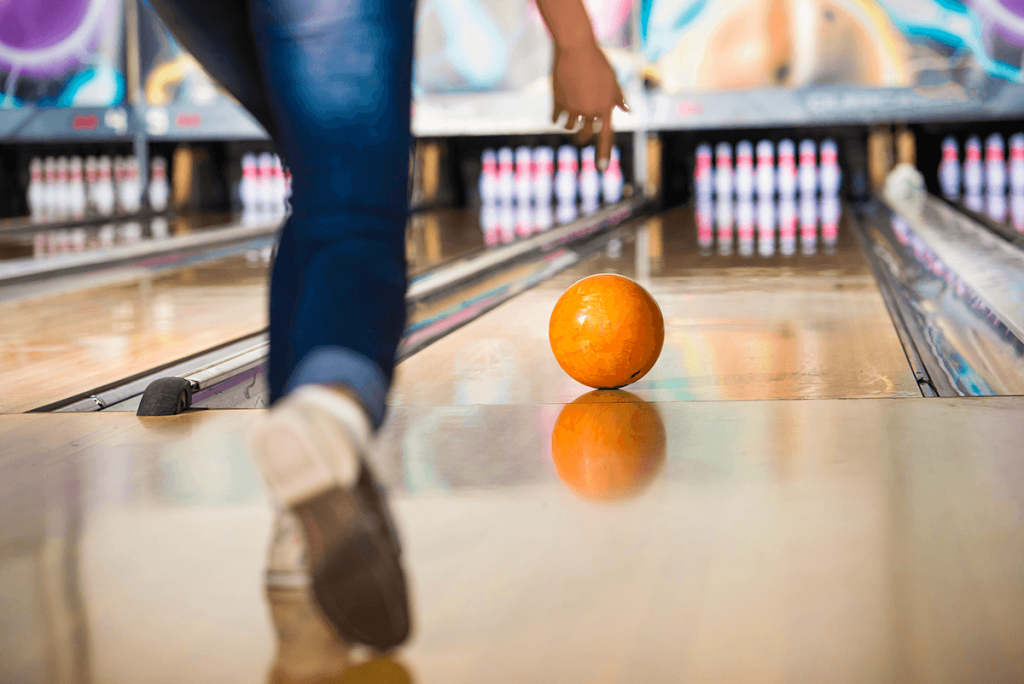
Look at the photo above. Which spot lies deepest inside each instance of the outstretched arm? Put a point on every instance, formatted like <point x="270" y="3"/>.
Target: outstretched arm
<point x="583" y="82"/>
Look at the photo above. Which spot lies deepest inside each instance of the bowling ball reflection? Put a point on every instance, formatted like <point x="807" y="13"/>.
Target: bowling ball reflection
<point x="608" y="444"/>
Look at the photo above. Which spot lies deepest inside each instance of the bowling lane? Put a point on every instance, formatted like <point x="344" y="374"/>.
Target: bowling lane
<point x="76" y="334"/>
<point x="806" y="326"/>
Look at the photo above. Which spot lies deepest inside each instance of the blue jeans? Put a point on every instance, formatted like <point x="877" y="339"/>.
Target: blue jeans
<point x="330" y="80"/>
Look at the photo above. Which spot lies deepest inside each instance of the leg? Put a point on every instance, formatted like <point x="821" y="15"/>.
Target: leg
<point x="338" y="73"/>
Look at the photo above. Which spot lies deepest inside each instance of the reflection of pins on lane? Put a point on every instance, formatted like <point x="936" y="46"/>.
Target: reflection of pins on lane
<point x="829" y="174"/>
<point x="765" y="170"/>
<point x="949" y="169"/>
<point x="995" y="165"/>
<point x="705" y="227"/>
<point x="787" y="169"/>
<point x="744" y="170"/>
<point x="766" y="227"/>
<point x="723" y="170"/>
<point x="703" y="184"/>
<point x="1017" y="211"/>
<point x="995" y="207"/>
<point x="723" y="225"/>
<point x="787" y="226"/>
<point x="830" y="214"/>
<point x="808" y="170"/>
<point x="808" y="224"/>
<point x="543" y="217"/>
<point x="745" y="226"/>
<point x="973" y="179"/>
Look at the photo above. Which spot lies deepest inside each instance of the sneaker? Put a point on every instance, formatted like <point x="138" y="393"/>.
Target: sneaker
<point x="311" y="451"/>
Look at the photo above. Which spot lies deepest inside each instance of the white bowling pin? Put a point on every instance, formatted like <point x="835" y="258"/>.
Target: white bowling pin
<point x="104" y="193"/>
<point x="830" y="215"/>
<point x="787" y="226"/>
<point x="787" y="169"/>
<point x="995" y="165"/>
<point x="703" y="183"/>
<point x="524" y="219"/>
<point x="506" y="175"/>
<point x="590" y="181"/>
<point x="524" y="175"/>
<point x="744" y="170"/>
<point x="1017" y="211"/>
<point x="490" y="223"/>
<point x="766" y="227"/>
<point x="745" y="226"/>
<point x="705" y="225"/>
<point x="723" y="171"/>
<point x="543" y="176"/>
<point x="279" y="189"/>
<point x="611" y="179"/>
<point x="543" y="217"/>
<point x="829" y="174"/>
<point x="765" y="170"/>
<point x="92" y="176"/>
<point x="36" y="190"/>
<point x="63" y="192"/>
<point x="1017" y="163"/>
<point x="565" y="179"/>
<point x="808" y="170"/>
<point x="248" y="187"/>
<point x="973" y="175"/>
<point x="995" y="207"/>
<point x="566" y="212"/>
<point x="50" y="202"/>
<point x="266" y="182"/>
<point x="159" y="188"/>
<point x="949" y="169"/>
<point x="76" y="190"/>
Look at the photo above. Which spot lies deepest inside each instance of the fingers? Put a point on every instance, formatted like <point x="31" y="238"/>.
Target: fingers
<point x="572" y="121"/>
<point x="620" y="102"/>
<point x="604" y="141"/>
<point x="587" y="132"/>
<point x="557" y="113"/>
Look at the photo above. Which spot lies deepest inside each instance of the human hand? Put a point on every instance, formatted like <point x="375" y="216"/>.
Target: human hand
<point x="584" y="87"/>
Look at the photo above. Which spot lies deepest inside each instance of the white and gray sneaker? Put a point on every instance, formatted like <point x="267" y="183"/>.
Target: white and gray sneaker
<point x="311" y="452"/>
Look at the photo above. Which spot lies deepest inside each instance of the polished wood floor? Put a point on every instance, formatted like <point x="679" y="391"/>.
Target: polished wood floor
<point x="872" y="540"/>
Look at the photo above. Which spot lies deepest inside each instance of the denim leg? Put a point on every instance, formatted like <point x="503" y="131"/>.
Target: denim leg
<point x="338" y="76"/>
<point x="331" y="81"/>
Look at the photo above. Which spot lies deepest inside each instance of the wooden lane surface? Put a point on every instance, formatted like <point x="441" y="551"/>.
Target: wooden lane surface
<point x="798" y="328"/>
<point x="57" y="345"/>
<point x="787" y="541"/>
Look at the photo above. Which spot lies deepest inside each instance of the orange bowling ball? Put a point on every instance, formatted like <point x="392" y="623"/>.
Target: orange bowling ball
<point x="608" y="444"/>
<point x="606" y="331"/>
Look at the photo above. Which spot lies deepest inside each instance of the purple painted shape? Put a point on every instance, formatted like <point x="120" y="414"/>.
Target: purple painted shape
<point x="39" y="24"/>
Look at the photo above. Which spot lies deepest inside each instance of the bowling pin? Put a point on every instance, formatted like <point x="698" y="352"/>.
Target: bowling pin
<point x="565" y="212"/>
<point x="63" y="194"/>
<point x="973" y="176"/>
<point x="524" y="219"/>
<point x="995" y="165"/>
<point x="974" y="202"/>
<point x="92" y="175"/>
<point x="765" y="170"/>
<point x="278" y="188"/>
<point x="133" y="186"/>
<point x="565" y="179"/>
<point x="36" y="190"/>
<point x="703" y="184"/>
<point x="808" y="170"/>
<point x="590" y="180"/>
<point x="543" y="176"/>
<point x="50" y="188"/>
<point x="104" y="193"/>
<point x="723" y="171"/>
<point x="787" y="169"/>
<point x="247" y="187"/>
<point x="266" y="182"/>
<point x="490" y="223"/>
<point x="76" y="190"/>
<point x="829" y="173"/>
<point x="159" y="189"/>
<point x="611" y="179"/>
<point x="1017" y="163"/>
<point x="506" y="175"/>
<point x="544" y="217"/>
<point x="949" y="169"/>
<point x="524" y="176"/>
<point x="744" y="170"/>
<point x="766" y="227"/>
<point x="507" y="220"/>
